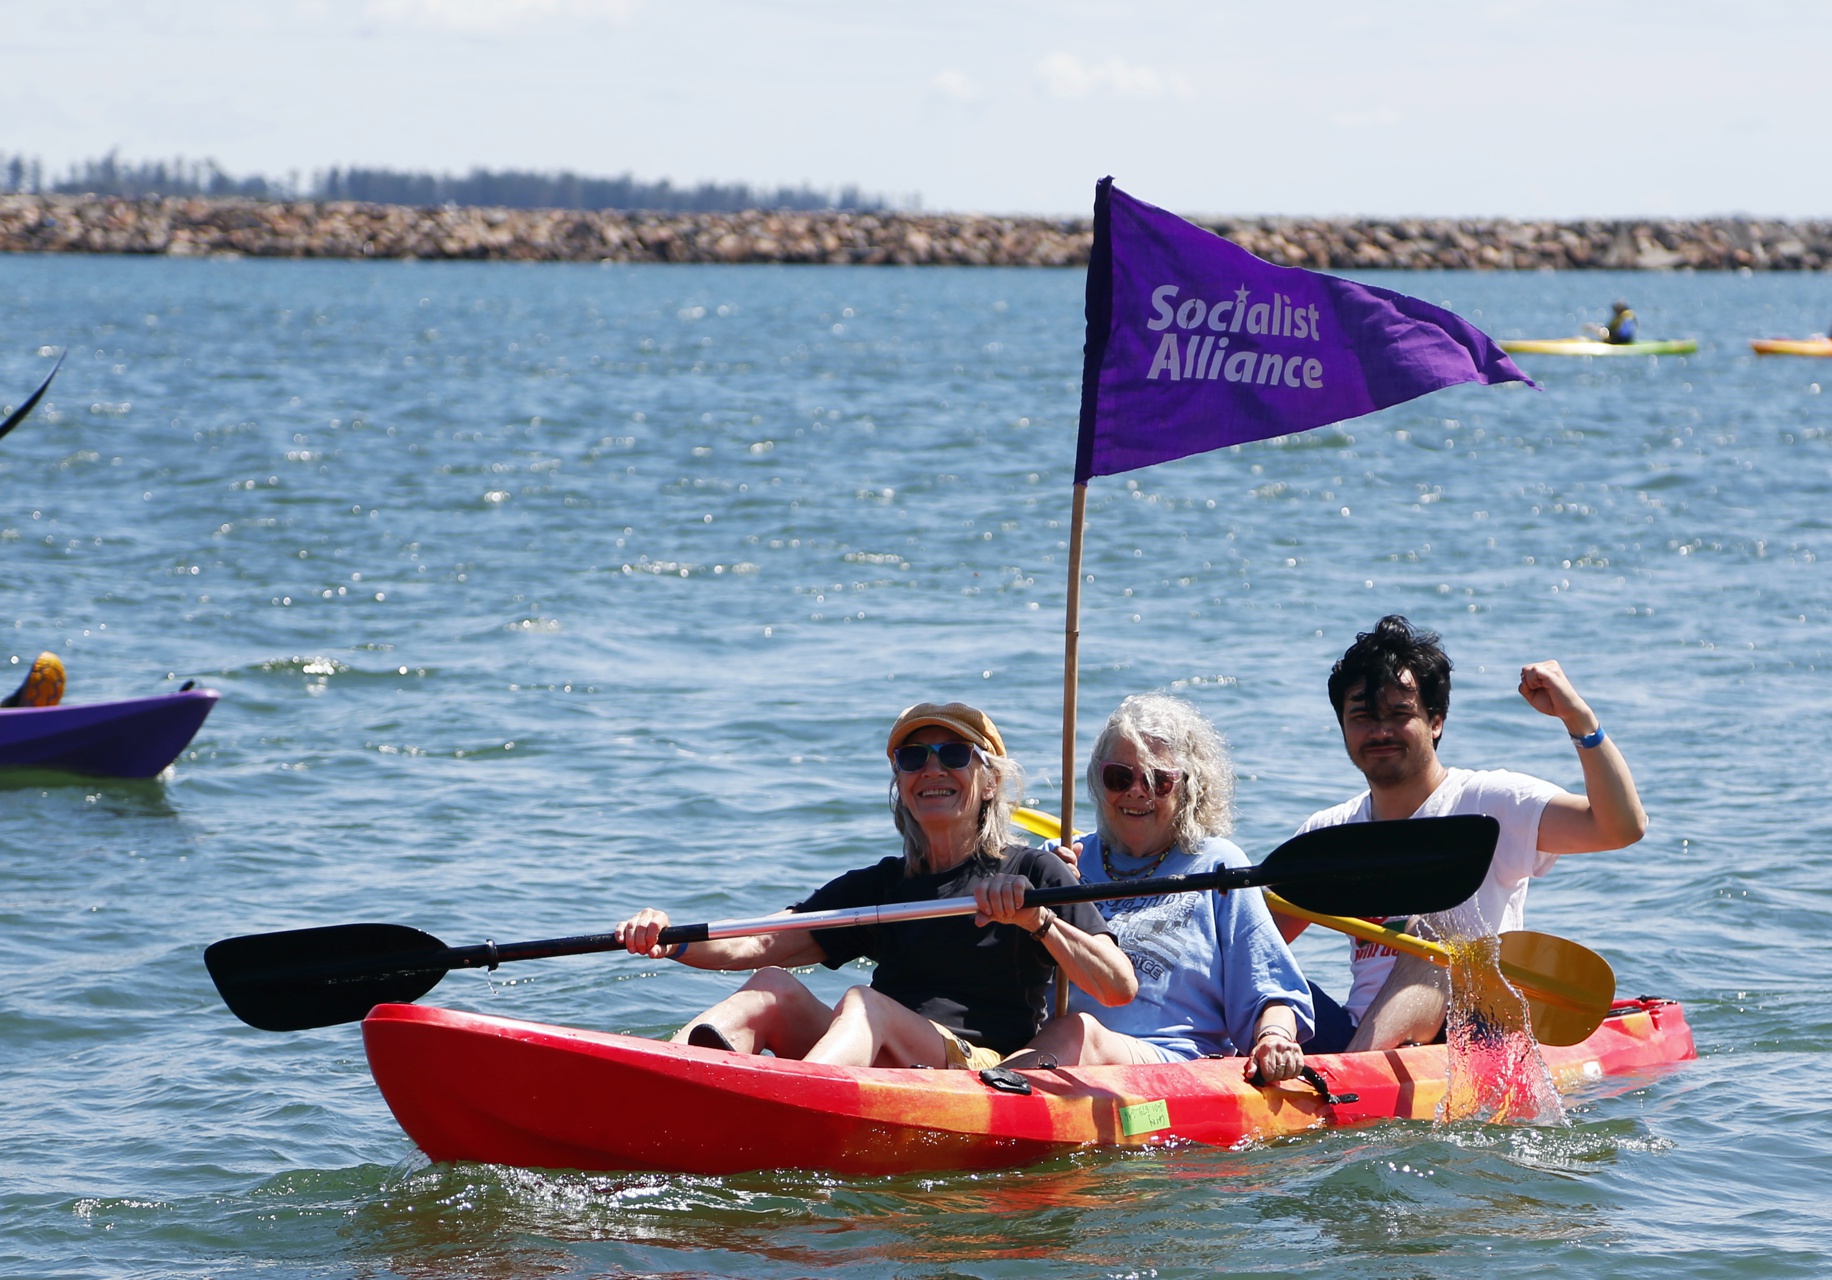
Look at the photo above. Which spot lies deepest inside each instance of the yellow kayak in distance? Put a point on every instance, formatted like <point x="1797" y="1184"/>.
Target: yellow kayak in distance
<point x="1791" y="346"/>
<point x="1595" y="347"/>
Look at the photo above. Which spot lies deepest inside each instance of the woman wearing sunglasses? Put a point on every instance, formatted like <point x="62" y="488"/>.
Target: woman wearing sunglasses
<point x="958" y="991"/>
<point x="1214" y="975"/>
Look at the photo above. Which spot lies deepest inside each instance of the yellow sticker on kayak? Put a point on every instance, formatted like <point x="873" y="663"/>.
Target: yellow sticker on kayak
<point x="1144" y="1117"/>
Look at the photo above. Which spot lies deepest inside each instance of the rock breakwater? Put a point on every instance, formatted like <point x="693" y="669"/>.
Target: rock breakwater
<point x="188" y="226"/>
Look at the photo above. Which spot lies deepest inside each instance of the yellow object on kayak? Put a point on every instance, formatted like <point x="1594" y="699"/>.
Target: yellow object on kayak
<point x="1791" y="346"/>
<point x="43" y="685"/>
<point x="1594" y="347"/>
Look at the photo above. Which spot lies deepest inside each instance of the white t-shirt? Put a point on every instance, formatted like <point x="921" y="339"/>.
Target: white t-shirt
<point x="1515" y="800"/>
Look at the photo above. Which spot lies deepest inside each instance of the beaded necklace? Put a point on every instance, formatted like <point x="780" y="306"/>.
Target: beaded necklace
<point x="1114" y="873"/>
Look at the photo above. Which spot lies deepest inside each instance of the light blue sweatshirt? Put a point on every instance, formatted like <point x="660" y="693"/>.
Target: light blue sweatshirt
<point x="1208" y="963"/>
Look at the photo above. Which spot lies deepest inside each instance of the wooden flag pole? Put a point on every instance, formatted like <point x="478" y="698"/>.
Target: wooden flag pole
<point x="1071" y="655"/>
<point x="1071" y="652"/>
<point x="1094" y="353"/>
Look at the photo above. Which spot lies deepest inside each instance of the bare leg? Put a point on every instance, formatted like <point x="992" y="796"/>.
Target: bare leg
<point x="772" y="1010"/>
<point x="1080" y="1040"/>
<point x="872" y="1030"/>
<point x="1409" y="1007"/>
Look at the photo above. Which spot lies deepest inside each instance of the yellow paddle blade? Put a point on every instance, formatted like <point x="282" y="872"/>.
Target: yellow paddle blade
<point x="1038" y="823"/>
<point x="1568" y="987"/>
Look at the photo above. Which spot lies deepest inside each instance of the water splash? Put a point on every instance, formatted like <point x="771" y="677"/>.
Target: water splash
<point x="1496" y="1073"/>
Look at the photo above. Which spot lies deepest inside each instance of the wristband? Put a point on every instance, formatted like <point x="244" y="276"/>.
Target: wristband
<point x="1042" y="930"/>
<point x="1266" y="1031"/>
<point x="1592" y="739"/>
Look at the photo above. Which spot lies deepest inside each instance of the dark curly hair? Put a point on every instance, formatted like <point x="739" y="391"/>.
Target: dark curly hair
<point x="1376" y="659"/>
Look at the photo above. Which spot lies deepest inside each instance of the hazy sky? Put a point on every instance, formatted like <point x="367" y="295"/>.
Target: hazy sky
<point x="1515" y="107"/>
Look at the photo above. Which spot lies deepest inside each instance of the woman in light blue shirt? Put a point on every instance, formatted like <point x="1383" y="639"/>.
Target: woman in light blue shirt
<point x="1215" y="977"/>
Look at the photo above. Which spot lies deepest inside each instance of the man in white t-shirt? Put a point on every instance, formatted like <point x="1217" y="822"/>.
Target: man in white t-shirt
<point x="1391" y="691"/>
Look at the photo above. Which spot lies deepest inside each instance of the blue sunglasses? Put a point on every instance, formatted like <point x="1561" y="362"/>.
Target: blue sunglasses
<point x="911" y="757"/>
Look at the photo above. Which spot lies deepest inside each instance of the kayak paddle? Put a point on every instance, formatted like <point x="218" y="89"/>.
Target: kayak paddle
<point x="1568" y="987"/>
<point x="17" y="416"/>
<point x="304" y="978"/>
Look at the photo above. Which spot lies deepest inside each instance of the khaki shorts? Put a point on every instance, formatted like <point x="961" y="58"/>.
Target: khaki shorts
<point x="968" y="1057"/>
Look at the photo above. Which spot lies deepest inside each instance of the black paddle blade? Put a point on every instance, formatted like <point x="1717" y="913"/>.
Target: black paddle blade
<point x="320" y="977"/>
<point x="17" y="416"/>
<point x="1383" y="868"/>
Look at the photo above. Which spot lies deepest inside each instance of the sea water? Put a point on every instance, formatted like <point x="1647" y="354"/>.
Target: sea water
<point x="537" y="594"/>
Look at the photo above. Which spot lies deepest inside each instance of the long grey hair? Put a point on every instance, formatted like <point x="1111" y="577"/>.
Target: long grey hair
<point x="1169" y="733"/>
<point x="1001" y="783"/>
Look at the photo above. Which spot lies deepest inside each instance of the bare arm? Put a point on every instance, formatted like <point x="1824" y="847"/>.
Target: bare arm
<point x="1093" y="962"/>
<point x="788" y="950"/>
<point x="1609" y="814"/>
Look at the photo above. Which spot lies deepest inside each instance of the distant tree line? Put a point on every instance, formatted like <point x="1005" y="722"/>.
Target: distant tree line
<point x="111" y="176"/>
<point x="509" y="188"/>
<point x="522" y="189"/>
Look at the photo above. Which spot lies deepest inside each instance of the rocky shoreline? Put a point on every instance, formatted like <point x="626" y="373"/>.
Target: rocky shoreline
<point x="198" y="227"/>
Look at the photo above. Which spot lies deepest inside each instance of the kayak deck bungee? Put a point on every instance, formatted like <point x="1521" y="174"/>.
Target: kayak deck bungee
<point x="131" y="738"/>
<point x="468" y="1086"/>
<point x="1595" y="347"/>
<point x="1791" y="346"/>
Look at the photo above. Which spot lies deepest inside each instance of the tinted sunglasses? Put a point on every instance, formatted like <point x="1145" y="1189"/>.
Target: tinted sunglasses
<point x="1118" y="778"/>
<point x="911" y="757"/>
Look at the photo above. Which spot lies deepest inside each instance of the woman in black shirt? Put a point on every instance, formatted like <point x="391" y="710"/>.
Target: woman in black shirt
<point x="956" y="991"/>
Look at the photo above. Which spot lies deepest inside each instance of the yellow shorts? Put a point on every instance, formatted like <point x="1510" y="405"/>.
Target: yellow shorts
<point x="967" y="1057"/>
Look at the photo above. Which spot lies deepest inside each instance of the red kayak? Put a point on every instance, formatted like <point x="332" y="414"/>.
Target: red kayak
<point x="132" y="738"/>
<point x="469" y="1087"/>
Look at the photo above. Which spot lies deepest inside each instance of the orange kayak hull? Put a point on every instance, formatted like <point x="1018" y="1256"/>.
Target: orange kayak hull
<point x="1791" y="346"/>
<point x="470" y="1087"/>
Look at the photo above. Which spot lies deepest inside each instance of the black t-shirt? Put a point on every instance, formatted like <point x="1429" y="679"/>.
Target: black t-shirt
<point x="985" y="984"/>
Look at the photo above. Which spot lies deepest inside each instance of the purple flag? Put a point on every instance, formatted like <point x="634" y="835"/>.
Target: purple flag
<point x="1194" y="343"/>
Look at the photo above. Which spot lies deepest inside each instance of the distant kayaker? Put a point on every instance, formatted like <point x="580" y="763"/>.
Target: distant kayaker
<point x="43" y="685"/>
<point x="1621" y="327"/>
<point x="1215" y="977"/>
<point x="960" y="991"/>
<point x="1391" y="693"/>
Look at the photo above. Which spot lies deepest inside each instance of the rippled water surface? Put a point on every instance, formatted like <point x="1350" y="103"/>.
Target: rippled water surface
<point x="536" y="594"/>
